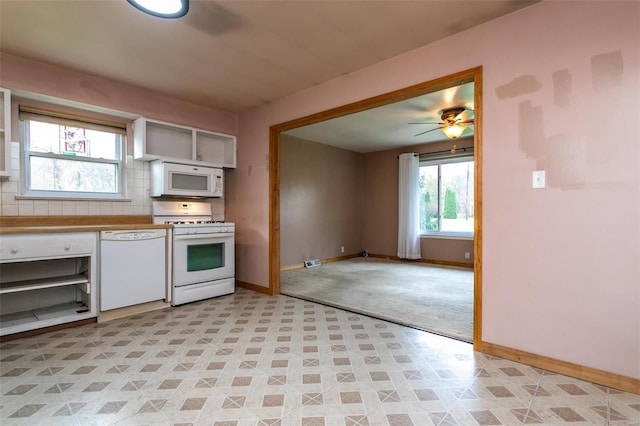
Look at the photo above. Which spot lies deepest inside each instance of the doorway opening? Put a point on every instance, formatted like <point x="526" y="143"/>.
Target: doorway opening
<point x="473" y="75"/>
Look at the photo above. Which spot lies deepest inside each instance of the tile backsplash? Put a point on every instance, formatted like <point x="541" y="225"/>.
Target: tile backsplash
<point x="138" y="184"/>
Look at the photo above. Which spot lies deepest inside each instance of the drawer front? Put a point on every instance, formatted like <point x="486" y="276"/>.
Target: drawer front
<point x="35" y="246"/>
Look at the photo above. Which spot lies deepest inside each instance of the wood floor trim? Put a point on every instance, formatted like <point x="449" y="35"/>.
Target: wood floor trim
<point x="322" y="262"/>
<point x="127" y="311"/>
<point x="38" y="331"/>
<point x="383" y="256"/>
<point x="428" y="261"/>
<point x="254" y="287"/>
<point x="604" y="378"/>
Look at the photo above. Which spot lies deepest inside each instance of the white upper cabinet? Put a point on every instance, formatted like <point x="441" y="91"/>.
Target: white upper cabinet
<point x="155" y="140"/>
<point x="5" y="132"/>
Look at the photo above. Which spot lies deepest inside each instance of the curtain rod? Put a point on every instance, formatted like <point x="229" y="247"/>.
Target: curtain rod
<point x="443" y="151"/>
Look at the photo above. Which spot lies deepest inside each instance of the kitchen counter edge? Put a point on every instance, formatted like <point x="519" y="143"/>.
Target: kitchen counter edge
<point x="58" y="224"/>
<point x="78" y="228"/>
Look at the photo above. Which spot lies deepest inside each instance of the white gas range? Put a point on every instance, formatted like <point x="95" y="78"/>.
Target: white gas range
<point x="203" y="255"/>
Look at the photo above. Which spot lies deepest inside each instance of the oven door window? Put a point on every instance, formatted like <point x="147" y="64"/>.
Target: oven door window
<point x="203" y="257"/>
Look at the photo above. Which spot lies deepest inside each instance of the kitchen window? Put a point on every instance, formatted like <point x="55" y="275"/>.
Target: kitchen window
<point x="72" y="157"/>
<point x="446" y="198"/>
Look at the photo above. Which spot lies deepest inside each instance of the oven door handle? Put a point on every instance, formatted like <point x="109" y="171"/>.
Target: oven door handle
<point x="199" y="236"/>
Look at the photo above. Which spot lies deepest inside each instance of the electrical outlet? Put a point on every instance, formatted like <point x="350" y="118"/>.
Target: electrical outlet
<point x="342" y="249"/>
<point x="467" y="255"/>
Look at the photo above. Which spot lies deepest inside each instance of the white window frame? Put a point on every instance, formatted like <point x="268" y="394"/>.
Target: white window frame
<point x="28" y="193"/>
<point x="462" y="158"/>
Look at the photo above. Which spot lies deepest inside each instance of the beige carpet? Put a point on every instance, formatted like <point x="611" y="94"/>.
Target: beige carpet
<point x="432" y="298"/>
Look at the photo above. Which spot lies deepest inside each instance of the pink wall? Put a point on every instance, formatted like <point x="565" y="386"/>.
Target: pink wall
<point x="561" y="93"/>
<point x="36" y="77"/>
<point x="321" y="201"/>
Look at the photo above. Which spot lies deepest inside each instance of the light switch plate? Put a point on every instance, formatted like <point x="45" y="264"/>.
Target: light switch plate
<point x="538" y="179"/>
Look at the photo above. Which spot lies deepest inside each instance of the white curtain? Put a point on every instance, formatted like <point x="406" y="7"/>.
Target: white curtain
<point x="408" y="217"/>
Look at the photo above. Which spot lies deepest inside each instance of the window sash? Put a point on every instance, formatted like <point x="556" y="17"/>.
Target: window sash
<point x="446" y="159"/>
<point x="28" y="114"/>
<point x="74" y="158"/>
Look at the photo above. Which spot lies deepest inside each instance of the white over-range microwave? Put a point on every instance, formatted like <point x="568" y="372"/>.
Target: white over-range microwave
<point x="184" y="180"/>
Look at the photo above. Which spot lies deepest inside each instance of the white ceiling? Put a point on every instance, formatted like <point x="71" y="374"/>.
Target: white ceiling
<point x="236" y="55"/>
<point x="388" y="127"/>
<point x="232" y="55"/>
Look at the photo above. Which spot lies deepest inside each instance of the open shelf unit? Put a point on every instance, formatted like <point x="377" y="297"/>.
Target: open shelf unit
<point x="156" y="140"/>
<point x="40" y="283"/>
<point x="47" y="279"/>
<point x="5" y="132"/>
<point x="25" y="319"/>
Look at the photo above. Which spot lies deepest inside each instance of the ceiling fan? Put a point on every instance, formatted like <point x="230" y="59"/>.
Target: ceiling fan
<point x="451" y="125"/>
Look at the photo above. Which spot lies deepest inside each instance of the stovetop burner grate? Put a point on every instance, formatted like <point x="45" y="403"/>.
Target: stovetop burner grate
<point x="187" y="215"/>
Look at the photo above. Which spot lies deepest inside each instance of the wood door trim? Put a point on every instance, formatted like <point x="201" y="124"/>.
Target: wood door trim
<point x="471" y="75"/>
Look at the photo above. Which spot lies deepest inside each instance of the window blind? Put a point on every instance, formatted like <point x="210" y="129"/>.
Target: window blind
<point x="55" y="117"/>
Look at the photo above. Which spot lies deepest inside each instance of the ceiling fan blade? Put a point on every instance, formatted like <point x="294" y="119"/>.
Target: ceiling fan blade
<point x="470" y="113"/>
<point x="437" y="128"/>
<point x="465" y="122"/>
<point x="427" y="123"/>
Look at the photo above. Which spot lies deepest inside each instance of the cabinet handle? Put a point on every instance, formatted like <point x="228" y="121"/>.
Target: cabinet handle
<point x="14" y="250"/>
<point x="67" y="248"/>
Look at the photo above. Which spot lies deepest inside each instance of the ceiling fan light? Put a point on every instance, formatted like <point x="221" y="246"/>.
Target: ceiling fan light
<point x="453" y="132"/>
<point x="162" y="8"/>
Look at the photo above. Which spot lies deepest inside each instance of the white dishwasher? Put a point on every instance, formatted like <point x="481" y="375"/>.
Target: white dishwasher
<point x="132" y="267"/>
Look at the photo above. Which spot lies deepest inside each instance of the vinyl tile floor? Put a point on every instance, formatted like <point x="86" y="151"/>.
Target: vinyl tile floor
<point x="252" y="359"/>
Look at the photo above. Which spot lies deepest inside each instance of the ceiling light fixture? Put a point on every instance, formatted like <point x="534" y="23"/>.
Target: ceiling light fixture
<point x="452" y="125"/>
<point x="453" y="131"/>
<point x="162" y="8"/>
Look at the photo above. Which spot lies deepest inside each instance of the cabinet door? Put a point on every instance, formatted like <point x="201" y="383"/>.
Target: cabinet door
<point x="153" y="140"/>
<point x="216" y="148"/>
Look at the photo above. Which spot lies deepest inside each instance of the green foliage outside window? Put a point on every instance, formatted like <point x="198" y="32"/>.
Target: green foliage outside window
<point x="450" y="205"/>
